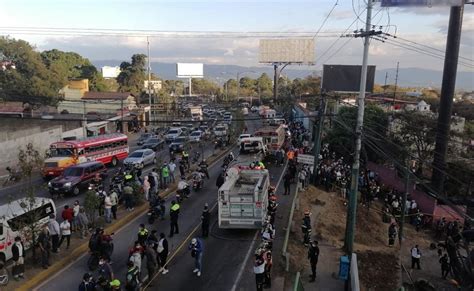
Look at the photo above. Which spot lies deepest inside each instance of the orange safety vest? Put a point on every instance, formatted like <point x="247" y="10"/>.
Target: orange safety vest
<point x="290" y="155"/>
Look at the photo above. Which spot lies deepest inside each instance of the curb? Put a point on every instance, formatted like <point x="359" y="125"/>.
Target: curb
<point x="42" y="276"/>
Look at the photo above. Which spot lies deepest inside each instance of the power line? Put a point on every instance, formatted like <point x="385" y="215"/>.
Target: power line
<point x="325" y="19"/>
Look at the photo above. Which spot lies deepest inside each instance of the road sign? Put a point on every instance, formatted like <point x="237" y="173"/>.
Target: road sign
<point x="305" y="159"/>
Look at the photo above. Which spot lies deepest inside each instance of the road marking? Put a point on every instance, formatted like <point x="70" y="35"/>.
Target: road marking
<point x="252" y="245"/>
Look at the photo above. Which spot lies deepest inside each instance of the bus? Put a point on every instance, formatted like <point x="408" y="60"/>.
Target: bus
<point x="273" y="137"/>
<point x="107" y="148"/>
<point x="19" y="218"/>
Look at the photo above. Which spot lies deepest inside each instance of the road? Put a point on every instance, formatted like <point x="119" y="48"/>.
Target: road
<point x="18" y="190"/>
<point x="228" y="254"/>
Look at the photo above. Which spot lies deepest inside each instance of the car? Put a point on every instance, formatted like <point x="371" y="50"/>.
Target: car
<point x="177" y="145"/>
<point x="141" y="158"/>
<point x="153" y="143"/>
<point x="196" y="136"/>
<point x="76" y="178"/>
<point x="173" y="133"/>
<point x="141" y="140"/>
<point x="204" y="129"/>
<point x="243" y="135"/>
<point x="220" y="130"/>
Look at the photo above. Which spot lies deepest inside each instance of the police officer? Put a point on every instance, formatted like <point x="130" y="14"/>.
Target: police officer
<point x="174" y="214"/>
<point x="142" y="234"/>
<point x="185" y="157"/>
<point x="313" y="255"/>
<point x="306" y="227"/>
<point x="132" y="281"/>
<point x="205" y="219"/>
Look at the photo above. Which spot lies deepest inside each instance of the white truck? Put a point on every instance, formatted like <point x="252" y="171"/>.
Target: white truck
<point x="243" y="198"/>
<point x="196" y="112"/>
<point x="221" y="130"/>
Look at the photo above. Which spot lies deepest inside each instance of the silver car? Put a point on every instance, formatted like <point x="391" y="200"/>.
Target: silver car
<point x="141" y="158"/>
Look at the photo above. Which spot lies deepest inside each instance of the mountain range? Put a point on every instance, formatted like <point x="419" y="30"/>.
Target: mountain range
<point x="407" y="77"/>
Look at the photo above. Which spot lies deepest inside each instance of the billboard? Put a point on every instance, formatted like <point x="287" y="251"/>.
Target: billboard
<point x="110" y="72"/>
<point x="298" y="50"/>
<point x="189" y="70"/>
<point x="346" y="78"/>
<point x="427" y="3"/>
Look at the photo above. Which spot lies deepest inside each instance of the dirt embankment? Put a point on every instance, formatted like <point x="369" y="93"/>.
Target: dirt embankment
<point x="378" y="264"/>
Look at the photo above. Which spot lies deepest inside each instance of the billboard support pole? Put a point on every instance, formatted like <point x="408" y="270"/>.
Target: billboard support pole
<point x="351" y="210"/>
<point x="149" y="81"/>
<point x="317" y="136"/>
<point x="275" y="82"/>
<point x="448" y="87"/>
<point x="190" y="86"/>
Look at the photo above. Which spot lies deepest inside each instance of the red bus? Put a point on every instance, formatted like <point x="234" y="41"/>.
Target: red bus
<point x="107" y="148"/>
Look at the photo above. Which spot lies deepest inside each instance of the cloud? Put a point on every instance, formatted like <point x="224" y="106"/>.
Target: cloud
<point x="342" y="14"/>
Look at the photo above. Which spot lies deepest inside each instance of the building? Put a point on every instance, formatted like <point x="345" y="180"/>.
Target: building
<point x="301" y="113"/>
<point x="75" y="89"/>
<point x="422" y="106"/>
<point x="100" y="103"/>
<point x="155" y="85"/>
<point x="110" y="72"/>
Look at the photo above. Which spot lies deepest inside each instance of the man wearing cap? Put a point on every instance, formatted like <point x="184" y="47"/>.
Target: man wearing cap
<point x="313" y="255"/>
<point x="306" y="227"/>
<point x="196" y="248"/>
<point x="151" y="261"/>
<point x="205" y="219"/>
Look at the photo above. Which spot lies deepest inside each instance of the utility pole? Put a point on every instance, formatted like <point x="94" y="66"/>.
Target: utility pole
<point x="238" y="86"/>
<point x="317" y="136"/>
<point x="84" y="120"/>
<point x="121" y="118"/>
<point x="352" y="209"/>
<point x="404" y="202"/>
<point x="396" y="83"/>
<point x="275" y="82"/>
<point x="447" y="93"/>
<point x="385" y="84"/>
<point x="149" y="79"/>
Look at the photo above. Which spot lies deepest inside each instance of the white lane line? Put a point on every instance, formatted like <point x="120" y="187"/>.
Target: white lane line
<point x="252" y="245"/>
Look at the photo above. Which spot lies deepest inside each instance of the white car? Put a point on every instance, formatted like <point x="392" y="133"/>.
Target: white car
<point x="141" y="158"/>
<point x="172" y="134"/>
<point x="243" y="135"/>
<point x="196" y="136"/>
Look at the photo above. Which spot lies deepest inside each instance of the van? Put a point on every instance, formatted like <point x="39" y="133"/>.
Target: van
<point x="18" y="217"/>
<point x="76" y="178"/>
<point x="220" y="130"/>
<point x="252" y="145"/>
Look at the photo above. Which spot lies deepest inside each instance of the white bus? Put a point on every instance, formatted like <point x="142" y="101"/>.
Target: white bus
<point x="15" y="217"/>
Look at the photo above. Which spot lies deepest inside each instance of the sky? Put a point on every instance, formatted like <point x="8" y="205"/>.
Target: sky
<point x="427" y="26"/>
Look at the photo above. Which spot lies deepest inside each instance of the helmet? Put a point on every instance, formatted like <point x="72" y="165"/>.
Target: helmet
<point x="115" y="283"/>
<point x="194" y="241"/>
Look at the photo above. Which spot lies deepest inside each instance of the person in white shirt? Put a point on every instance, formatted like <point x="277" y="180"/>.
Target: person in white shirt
<point x="415" y="257"/>
<point x="172" y="167"/>
<point x="114" y="200"/>
<point x="108" y="208"/>
<point x="54" y="231"/>
<point x="259" y="270"/>
<point x="75" y="210"/>
<point x="65" y="227"/>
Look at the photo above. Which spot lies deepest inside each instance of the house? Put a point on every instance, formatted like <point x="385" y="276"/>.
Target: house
<point x="422" y="106"/>
<point x="155" y="85"/>
<point x="75" y="89"/>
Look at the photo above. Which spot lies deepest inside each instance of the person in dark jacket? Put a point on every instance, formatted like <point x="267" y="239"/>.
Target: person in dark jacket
<point x="44" y="246"/>
<point x="162" y="250"/>
<point x="18" y="252"/>
<point x="87" y="283"/>
<point x="220" y="180"/>
<point x="445" y="267"/>
<point x="174" y="215"/>
<point x="287" y="183"/>
<point x="205" y="219"/>
<point x="313" y="255"/>
<point x="151" y="260"/>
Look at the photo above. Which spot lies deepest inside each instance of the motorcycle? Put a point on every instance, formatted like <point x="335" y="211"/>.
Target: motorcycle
<point x="153" y="213"/>
<point x="220" y="143"/>
<point x="183" y="189"/>
<point x="105" y="251"/>
<point x="196" y="157"/>
<point x="197" y="184"/>
<point x="13" y="176"/>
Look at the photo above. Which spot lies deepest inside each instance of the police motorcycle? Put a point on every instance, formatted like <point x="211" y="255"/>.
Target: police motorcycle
<point x="220" y="143"/>
<point x="100" y="246"/>
<point x="183" y="190"/>
<point x="157" y="210"/>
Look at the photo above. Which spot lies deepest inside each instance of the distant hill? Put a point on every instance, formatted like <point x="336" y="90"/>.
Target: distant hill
<point x="407" y="77"/>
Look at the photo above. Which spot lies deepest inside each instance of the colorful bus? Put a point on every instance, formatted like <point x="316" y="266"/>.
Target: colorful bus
<point x="273" y="137"/>
<point x="107" y="148"/>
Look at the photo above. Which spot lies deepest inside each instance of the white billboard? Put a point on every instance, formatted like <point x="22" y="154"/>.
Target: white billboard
<point x="110" y="72"/>
<point x="427" y="3"/>
<point x="189" y="70"/>
<point x="298" y="50"/>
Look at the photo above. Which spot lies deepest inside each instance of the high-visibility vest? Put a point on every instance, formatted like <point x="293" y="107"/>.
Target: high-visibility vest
<point x="165" y="172"/>
<point x="185" y="154"/>
<point x="290" y="155"/>
<point x="175" y="207"/>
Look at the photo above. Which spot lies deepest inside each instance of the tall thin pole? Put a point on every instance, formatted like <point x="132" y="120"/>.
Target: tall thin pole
<point x="190" y="86"/>
<point x="352" y="209"/>
<point x="317" y="136"/>
<point x="149" y="79"/>
<point x="385" y="83"/>
<point x="404" y="203"/>
<point x="238" y="86"/>
<point x="275" y="82"/>
<point x="396" y="83"/>
<point x="121" y="119"/>
<point x="84" y="120"/>
<point x="447" y="93"/>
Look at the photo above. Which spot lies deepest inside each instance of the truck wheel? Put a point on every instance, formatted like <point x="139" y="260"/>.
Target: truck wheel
<point x="114" y="162"/>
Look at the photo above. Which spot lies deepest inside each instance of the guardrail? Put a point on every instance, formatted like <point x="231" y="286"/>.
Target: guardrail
<point x="298" y="286"/>
<point x="285" y="253"/>
<point x="355" y="285"/>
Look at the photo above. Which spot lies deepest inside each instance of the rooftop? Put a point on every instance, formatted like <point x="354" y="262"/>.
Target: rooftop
<point x="107" y="95"/>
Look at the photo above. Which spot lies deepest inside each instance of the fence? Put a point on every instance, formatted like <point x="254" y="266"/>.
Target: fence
<point x="285" y="253"/>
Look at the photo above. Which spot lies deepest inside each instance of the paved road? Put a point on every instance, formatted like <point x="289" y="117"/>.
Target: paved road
<point x="18" y="190"/>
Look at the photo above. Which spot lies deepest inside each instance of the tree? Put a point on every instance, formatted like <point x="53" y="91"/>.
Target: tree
<point x="29" y="161"/>
<point x="417" y="132"/>
<point x="264" y="86"/>
<point x="91" y="206"/>
<point x="205" y="87"/>
<point x="341" y="135"/>
<point x="132" y="75"/>
<point x="31" y="81"/>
